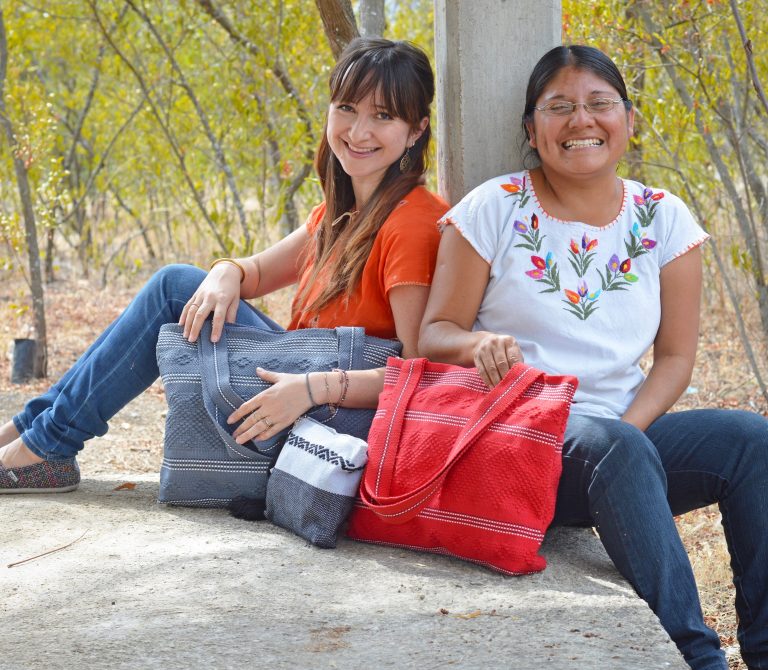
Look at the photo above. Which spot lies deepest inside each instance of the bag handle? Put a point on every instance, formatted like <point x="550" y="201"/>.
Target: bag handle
<point x="219" y="398"/>
<point x="218" y="395"/>
<point x="410" y="372"/>
<point x="404" y="507"/>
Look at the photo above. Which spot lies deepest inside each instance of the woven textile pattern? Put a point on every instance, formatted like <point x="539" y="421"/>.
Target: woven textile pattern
<point x="458" y="470"/>
<point x="313" y="484"/>
<point x="204" y="383"/>
<point x="299" y="507"/>
<point x="45" y="476"/>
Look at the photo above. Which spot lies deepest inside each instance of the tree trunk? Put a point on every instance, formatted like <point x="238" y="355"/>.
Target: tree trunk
<point x="339" y="23"/>
<point x="373" y="18"/>
<point x="50" y="250"/>
<point x="28" y="211"/>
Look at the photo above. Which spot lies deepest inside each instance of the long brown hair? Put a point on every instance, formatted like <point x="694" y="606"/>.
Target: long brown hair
<point x="401" y="78"/>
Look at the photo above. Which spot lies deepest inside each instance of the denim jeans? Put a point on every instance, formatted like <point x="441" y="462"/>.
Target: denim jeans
<point x="116" y="368"/>
<point x="629" y="484"/>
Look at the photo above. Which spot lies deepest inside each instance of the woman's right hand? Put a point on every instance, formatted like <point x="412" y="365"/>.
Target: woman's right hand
<point x="218" y="294"/>
<point x="494" y="355"/>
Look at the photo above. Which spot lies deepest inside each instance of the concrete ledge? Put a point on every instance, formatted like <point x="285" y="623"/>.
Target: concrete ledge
<point x="150" y="586"/>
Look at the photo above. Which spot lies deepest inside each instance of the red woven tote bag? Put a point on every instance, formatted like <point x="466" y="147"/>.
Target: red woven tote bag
<point x="457" y="469"/>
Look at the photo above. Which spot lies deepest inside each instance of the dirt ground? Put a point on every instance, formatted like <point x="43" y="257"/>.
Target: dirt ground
<point x="77" y="312"/>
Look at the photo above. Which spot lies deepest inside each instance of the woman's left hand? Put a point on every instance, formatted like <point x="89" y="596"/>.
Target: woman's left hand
<point x="275" y="408"/>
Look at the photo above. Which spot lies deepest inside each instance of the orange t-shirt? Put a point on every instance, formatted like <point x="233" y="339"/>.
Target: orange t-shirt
<point x="403" y="253"/>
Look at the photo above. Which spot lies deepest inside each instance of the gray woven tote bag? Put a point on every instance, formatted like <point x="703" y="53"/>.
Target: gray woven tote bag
<point x="205" y="382"/>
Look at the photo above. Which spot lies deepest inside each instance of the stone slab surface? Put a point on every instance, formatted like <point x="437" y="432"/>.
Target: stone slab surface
<point x="150" y="586"/>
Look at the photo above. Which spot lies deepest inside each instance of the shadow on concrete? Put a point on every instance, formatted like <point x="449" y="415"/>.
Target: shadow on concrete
<point x="153" y="586"/>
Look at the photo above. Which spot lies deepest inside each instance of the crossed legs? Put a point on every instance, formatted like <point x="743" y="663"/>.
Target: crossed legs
<point x="116" y="368"/>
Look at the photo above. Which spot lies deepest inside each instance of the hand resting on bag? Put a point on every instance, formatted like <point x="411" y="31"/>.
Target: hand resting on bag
<point x="275" y="408"/>
<point x="219" y="295"/>
<point x="267" y="413"/>
<point x="494" y="355"/>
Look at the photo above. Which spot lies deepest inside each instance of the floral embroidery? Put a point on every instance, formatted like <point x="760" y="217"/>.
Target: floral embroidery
<point x="645" y="210"/>
<point x="639" y="243"/>
<point x="532" y="237"/>
<point x="581" y="258"/>
<point x="516" y="186"/>
<point x="617" y="275"/>
<point x="581" y="302"/>
<point x="545" y="271"/>
<point x="645" y="206"/>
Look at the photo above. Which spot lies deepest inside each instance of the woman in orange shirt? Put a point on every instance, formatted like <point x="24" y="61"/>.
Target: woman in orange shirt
<point x="364" y="258"/>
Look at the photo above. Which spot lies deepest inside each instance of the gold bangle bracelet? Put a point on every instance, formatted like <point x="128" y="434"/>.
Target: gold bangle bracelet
<point x="234" y="262"/>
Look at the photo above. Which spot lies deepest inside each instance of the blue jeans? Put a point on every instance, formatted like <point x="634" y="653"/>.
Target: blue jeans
<point x="116" y="368"/>
<point x="629" y="484"/>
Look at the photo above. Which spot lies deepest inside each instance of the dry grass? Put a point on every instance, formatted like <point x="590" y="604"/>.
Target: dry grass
<point x="77" y="312"/>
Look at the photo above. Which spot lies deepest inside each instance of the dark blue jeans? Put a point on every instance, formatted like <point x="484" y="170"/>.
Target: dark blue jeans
<point x="629" y="484"/>
<point x="116" y="368"/>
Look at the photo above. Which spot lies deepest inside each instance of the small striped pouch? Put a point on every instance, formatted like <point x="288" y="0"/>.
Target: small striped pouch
<point x="312" y="487"/>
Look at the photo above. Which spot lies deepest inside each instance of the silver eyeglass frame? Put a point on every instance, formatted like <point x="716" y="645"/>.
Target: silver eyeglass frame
<point x="547" y="109"/>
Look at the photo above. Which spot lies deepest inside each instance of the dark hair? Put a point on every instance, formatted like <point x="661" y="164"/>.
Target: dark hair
<point x="401" y="78"/>
<point x="578" y="56"/>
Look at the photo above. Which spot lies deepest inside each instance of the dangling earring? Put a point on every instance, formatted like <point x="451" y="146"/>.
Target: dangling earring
<point x="405" y="161"/>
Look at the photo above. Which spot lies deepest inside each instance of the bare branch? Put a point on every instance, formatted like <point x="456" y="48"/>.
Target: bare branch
<point x="734" y="299"/>
<point x="277" y="68"/>
<point x="742" y="216"/>
<point x="750" y="57"/>
<point x="218" y="149"/>
<point x="46" y="553"/>
<point x="103" y="159"/>
<point x="77" y="131"/>
<point x="172" y="142"/>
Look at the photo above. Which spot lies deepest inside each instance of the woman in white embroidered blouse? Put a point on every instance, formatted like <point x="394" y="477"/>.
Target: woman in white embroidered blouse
<point x="573" y="270"/>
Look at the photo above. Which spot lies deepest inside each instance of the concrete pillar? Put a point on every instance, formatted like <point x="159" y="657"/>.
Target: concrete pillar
<point x="484" y="52"/>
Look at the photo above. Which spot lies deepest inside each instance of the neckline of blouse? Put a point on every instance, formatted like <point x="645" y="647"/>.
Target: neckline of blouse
<point x="624" y="201"/>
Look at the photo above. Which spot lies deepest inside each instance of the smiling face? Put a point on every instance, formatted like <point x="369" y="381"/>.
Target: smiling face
<point x="367" y="139"/>
<point x="581" y="145"/>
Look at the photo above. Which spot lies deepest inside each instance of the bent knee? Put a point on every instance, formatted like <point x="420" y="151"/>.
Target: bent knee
<point x="596" y="440"/>
<point x="750" y="430"/>
<point x="177" y="280"/>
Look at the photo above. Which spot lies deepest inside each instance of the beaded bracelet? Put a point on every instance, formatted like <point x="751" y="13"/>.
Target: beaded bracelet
<point x="344" y="383"/>
<point x="327" y="388"/>
<point x="234" y="262"/>
<point x="345" y="387"/>
<point x="309" y="390"/>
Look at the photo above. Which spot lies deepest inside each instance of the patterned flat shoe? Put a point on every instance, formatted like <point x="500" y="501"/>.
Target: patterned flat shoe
<point x="45" y="477"/>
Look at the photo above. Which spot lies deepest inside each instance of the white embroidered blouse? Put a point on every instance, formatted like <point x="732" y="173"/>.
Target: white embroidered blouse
<point x="579" y="299"/>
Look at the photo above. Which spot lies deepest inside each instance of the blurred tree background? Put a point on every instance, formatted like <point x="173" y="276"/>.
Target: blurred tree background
<point x="140" y="132"/>
<point x="151" y="132"/>
<point x="135" y="133"/>
<point x="696" y="70"/>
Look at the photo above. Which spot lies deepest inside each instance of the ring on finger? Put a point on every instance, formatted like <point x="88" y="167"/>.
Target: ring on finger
<point x="193" y="304"/>
<point x="267" y="422"/>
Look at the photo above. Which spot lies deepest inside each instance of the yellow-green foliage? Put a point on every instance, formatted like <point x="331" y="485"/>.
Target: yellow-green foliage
<point x="687" y="72"/>
<point x="120" y="161"/>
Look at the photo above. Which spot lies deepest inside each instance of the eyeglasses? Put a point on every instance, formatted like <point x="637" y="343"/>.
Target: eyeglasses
<point x="566" y="108"/>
